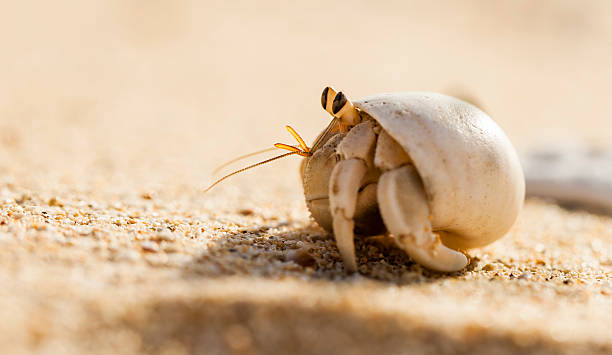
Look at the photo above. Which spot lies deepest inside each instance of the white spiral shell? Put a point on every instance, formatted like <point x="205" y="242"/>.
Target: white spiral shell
<point x="471" y="172"/>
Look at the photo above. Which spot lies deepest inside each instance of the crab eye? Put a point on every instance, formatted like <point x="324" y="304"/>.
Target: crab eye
<point x="324" y="98"/>
<point x="327" y="98"/>
<point x="343" y="108"/>
<point x="339" y="102"/>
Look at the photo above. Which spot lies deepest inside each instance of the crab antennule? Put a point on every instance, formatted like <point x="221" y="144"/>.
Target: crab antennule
<point x="343" y="108"/>
<point x="303" y="150"/>
<point x="287" y="147"/>
<point x="291" y="148"/>
<point x="298" y="138"/>
<point x="327" y="99"/>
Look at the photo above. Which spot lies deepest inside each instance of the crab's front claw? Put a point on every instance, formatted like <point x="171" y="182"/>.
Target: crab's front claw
<point x="404" y="209"/>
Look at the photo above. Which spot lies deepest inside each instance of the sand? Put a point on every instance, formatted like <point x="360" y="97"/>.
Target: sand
<point x="83" y="275"/>
<point x="112" y="117"/>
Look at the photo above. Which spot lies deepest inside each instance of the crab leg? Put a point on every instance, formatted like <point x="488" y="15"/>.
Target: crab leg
<point x="357" y="150"/>
<point x="404" y="209"/>
<point x="344" y="187"/>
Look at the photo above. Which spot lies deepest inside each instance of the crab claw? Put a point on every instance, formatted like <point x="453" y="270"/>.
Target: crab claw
<point x="404" y="209"/>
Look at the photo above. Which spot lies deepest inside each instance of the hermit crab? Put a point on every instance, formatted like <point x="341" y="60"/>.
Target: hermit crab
<point x="433" y="172"/>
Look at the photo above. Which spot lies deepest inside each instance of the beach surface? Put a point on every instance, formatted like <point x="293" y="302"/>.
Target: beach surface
<point x="113" y="116"/>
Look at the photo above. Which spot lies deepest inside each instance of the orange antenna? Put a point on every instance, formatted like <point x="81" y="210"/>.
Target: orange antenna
<point x="303" y="150"/>
<point x="247" y="168"/>
<point x="333" y="126"/>
<point x="220" y="167"/>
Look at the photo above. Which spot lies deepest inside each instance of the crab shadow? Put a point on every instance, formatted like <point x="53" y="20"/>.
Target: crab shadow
<point x="280" y="250"/>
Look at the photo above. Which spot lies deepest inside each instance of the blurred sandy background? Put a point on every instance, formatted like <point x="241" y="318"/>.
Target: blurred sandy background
<point x="172" y="85"/>
<point x="130" y="104"/>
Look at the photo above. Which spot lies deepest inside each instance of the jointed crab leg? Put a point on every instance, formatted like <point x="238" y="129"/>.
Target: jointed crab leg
<point x="344" y="184"/>
<point x="344" y="188"/>
<point x="404" y="209"/>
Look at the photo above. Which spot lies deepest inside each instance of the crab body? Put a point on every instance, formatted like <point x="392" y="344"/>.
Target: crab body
<point x="434" y="172"/>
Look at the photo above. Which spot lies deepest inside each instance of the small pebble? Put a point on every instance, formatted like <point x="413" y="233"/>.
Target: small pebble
<point x="149" y="247"/>
<point x="301" y="257"/>
<point x="488" y="267"/>
<point x="54" y="202"/>
<point x="246" y="212"/>
<point x="165" y="236"/>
